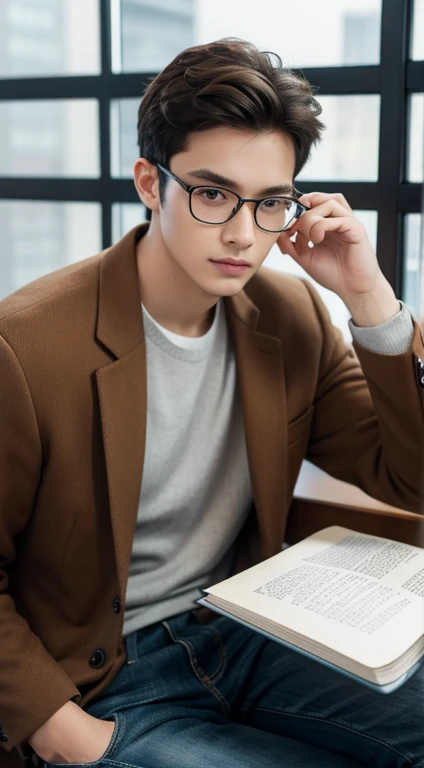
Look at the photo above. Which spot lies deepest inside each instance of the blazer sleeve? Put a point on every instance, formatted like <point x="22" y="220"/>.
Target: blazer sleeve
<point x="32" y="684"/>
<point x="368" y="426"/>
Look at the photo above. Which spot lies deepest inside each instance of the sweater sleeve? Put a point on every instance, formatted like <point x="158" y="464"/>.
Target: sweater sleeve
<point x="390" y="338"/>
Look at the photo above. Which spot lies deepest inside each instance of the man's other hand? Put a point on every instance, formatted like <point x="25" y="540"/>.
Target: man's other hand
<point x="72" y="736"/>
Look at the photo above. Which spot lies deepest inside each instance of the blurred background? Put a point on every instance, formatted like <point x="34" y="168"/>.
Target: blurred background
<point x="73" y="72"/>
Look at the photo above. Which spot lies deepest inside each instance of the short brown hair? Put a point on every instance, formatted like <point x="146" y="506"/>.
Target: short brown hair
<point x="228" y="82"/>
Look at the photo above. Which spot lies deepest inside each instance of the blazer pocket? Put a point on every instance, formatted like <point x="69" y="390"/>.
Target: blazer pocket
<point x="300" y="426"/>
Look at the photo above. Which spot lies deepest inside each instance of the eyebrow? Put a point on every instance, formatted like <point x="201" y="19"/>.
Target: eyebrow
<point x="207" y="175"/>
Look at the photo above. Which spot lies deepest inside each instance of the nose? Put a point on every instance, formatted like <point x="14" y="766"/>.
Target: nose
<point x="241" y="228"/>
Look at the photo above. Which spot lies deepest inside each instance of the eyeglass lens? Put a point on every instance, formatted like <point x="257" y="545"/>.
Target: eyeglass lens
<point x="215" y="206"/>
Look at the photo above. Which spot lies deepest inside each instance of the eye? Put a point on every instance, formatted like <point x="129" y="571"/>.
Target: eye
<point x="211" y="194"/>
<point x="272" y="203"/>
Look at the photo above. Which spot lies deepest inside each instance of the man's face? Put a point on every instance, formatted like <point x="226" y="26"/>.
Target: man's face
<point x="250" y="163"/>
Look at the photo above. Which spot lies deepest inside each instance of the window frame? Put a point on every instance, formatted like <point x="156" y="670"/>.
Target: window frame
<point x="394" y="79"/>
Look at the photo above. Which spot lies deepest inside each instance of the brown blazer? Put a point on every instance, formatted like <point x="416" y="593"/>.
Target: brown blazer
<point x="72" y="433"/>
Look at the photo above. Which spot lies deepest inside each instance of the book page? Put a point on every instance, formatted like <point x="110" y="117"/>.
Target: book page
<point x="379" y="558"/>
<point x="342" y="589"/>
<point x="354" y="600"/>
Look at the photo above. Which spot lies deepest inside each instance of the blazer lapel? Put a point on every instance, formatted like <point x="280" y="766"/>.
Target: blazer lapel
<point x="261" y="384"/>
<point x="122" y="392"/>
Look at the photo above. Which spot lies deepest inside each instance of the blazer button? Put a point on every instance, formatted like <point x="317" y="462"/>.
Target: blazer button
<point x="97" y="658"/>
<point x="116" y="604"/>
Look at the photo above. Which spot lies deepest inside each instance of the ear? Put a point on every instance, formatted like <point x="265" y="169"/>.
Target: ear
<point x="147" y="183"/>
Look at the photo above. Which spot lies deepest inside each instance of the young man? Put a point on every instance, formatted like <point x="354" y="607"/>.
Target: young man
<point x="157" y="401"/>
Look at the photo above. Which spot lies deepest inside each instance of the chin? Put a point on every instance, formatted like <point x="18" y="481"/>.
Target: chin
<point x="231" y="287"/>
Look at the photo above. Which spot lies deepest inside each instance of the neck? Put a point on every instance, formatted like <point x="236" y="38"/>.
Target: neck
<point x="167" y="292"/>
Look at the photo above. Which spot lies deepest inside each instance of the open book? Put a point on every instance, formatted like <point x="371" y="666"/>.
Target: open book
<point x="346" y="599"/>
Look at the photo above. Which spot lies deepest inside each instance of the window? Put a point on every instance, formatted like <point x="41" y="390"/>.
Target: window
<point x="412" y="260"/>
<point x="351" y="122"/>
<point x="49" y="37"/>
<point x="415" y="171"/>
<point x="73" y="72"/>
<point x="125" y="216"/>
<point x="38" y="237"/>
<point x="124" y="148"/>
<point x="50" y="138"/>
<point x="149" y="33"/>
<point x="417" y="37"/>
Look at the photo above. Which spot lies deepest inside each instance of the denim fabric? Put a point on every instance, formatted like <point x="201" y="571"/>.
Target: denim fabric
<point x="223" y="696"/>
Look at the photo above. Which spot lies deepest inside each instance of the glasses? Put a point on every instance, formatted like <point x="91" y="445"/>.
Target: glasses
<point x="216" y="205"/>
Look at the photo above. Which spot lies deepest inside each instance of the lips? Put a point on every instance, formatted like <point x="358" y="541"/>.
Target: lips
<point x="235" y="262"/>
<point x="231" y="267"/>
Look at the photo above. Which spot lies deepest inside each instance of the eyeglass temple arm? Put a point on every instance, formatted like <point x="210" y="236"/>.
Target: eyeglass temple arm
<point x="171" y="176"/>
<point x="297" y="194"/>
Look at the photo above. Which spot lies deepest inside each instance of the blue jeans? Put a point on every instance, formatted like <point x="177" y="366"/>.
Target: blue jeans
<point x="223" y="696"/>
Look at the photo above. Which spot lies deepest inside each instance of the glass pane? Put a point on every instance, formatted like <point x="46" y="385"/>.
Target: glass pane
<point x="349" y="147"/>
<point x="415" y="171"/>
<point x="39" y="237"/>
<point x="49" y="138"/>
<point x="49" y="37"/>
<point x="369" y="219"/>
<point x="349" y="30"/>
<point x="124" y="149"/>
<point x="417" y="46"/>
<point x="125" y="216"/>
<point x="147" y="34"/>
<point x="413" y="264"/>
<point x="336" y="307"/>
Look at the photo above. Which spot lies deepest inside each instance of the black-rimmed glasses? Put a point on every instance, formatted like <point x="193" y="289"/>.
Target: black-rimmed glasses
<point x="217" y="205"/>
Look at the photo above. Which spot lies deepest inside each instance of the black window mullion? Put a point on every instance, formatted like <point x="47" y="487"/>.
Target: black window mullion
<point x="106" y="195"/>
<point x="415" y="76"/>
<point x="396" y="24"/>
<point x="38" y="88"/>
<point x="336" y="81"/>
<point x="359" y="194"/>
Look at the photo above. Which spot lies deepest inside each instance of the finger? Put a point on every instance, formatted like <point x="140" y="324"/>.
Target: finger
<point x="313" y="199"/>
<point x="308" y="220"/>
<point x="302" y="246"/>
<point x="341" y="224"/>
<point x="297" y="249"/>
